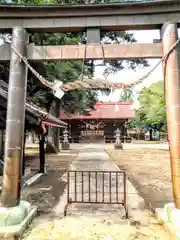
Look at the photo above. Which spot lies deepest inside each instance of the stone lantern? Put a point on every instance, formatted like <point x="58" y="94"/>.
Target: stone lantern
<point x="118" y="144"/>
<point x="65" y="143"/>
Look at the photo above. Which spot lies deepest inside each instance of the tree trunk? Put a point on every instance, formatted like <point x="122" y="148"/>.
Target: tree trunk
<point x="150" y="134"/>
<point x="33" y="137"/>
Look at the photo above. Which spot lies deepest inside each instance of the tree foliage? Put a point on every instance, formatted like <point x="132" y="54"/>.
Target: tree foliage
<point x="126" y="95"/>
<point x="151" y="116"/>
<point x="152" y="104"/>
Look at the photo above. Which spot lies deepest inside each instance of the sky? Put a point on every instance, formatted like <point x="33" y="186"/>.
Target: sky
<point x="127" y="75"/>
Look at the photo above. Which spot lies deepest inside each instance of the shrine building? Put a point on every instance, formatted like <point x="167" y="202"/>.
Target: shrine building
<point x="100" y="123"/>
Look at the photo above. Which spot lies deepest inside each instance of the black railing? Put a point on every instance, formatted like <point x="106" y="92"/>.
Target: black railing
<point x="99" y="187"/>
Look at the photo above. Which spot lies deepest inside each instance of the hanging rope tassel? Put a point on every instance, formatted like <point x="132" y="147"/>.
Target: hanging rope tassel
<point x="116" y="107"/>
<point x="92" y="126"/>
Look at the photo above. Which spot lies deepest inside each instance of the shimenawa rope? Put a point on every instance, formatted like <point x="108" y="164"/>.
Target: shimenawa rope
<point x="92" y="125"/>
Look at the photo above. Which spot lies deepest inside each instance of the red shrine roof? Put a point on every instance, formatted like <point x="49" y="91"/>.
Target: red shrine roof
<point x="104" y="110"/>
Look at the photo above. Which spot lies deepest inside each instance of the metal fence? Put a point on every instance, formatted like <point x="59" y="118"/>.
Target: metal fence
<point x="96" y="187"/>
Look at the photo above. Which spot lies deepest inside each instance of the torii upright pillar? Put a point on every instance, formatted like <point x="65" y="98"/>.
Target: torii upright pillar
<point x="171" y="68"/>
<point x="15" y="121"/>
<point x="13" y="212"/>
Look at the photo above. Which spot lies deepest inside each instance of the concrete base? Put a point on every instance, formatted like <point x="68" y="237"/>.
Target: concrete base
<point x="118" y="146"/>
<point x="14" y="221"/>
<point x="65" y="145"/>
<point x="170" y="217"/>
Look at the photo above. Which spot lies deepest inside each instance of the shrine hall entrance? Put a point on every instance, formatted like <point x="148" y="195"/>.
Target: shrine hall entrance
<point x="100" y="124"/>
<point x="91" y="130"/>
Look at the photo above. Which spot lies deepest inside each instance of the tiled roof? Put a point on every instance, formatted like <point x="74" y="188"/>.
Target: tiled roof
<point x="104" y="110"/>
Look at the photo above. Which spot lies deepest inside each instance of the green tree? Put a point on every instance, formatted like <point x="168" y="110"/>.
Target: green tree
<point x="152" y="107"/>
<point x="126" y="95"/>
<point x="153" y="103"/>
<point x="151" y="116"/>
<point x="137" y="124"/>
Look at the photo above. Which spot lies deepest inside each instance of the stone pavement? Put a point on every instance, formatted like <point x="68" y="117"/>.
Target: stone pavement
<point x="93" y="158"/>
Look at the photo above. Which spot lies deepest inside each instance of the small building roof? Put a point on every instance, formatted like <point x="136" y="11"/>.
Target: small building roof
<point x="104" y="110"/>
<point x="33" y="110"/>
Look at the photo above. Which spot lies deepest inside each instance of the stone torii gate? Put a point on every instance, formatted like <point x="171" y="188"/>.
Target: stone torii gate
<point x="162" y="15"/>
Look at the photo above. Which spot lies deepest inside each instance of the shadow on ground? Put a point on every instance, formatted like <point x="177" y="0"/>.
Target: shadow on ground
<point x="46" y="192"/>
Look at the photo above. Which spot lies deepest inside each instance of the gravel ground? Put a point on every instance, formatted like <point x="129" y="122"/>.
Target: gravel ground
<point x="149" y="171"/>
<point x="94" y="228"/>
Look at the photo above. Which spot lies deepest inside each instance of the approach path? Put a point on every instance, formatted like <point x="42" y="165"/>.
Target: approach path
<point x="94" y="158"/>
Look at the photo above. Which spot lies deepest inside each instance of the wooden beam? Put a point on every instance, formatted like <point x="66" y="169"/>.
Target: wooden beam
<point x="96" y="51"/>
<point x="93" y="51"/>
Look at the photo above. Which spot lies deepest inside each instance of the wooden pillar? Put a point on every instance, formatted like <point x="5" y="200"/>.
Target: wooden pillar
<point x="15" y="121"/>
<point x="55" y="111"/>
<point x="57" y="130"/>
<point x="171" y="68"/>
<point x="42" y="153"/>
